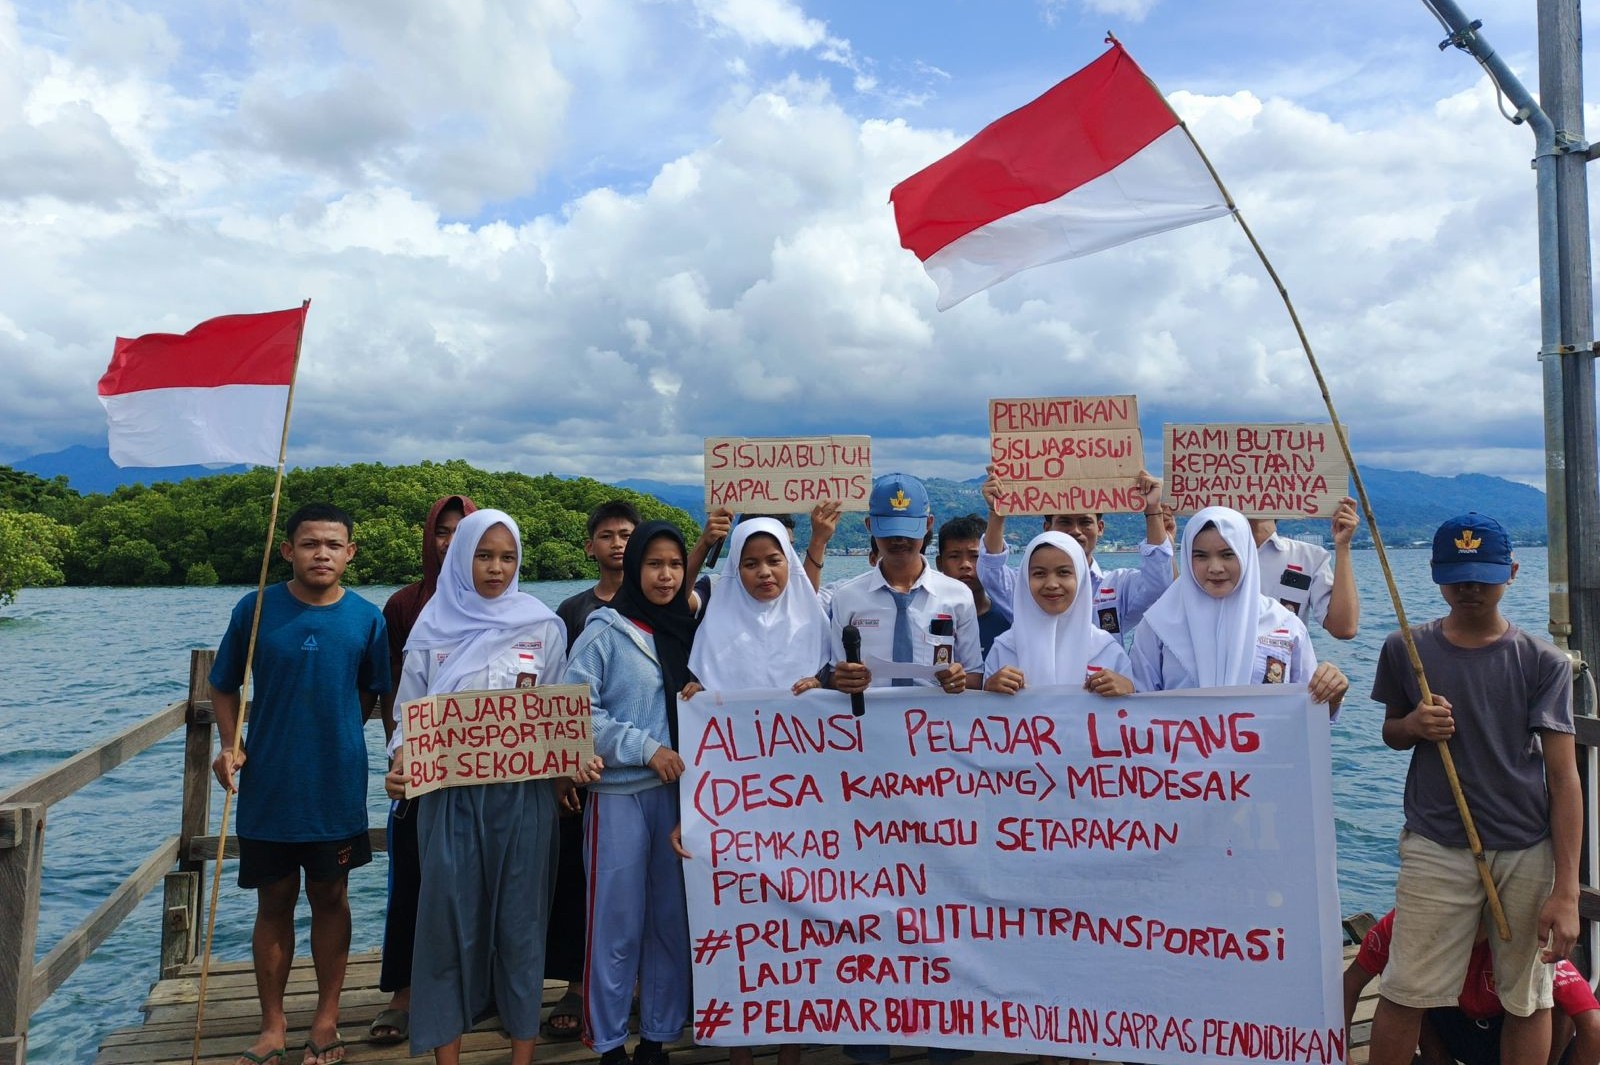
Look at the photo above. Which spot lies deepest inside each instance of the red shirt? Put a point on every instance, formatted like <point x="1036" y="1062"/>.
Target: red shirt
<point x="1479" y="999"/>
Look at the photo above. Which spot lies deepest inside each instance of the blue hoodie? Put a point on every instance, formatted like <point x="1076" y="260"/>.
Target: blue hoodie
<point x="617" y="659"/>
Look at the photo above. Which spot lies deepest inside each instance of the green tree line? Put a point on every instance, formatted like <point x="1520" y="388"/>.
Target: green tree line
<point x="211" y="530"/>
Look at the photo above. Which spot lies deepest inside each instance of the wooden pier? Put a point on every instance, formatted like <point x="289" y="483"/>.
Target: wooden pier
<point x="232" y="1019"/>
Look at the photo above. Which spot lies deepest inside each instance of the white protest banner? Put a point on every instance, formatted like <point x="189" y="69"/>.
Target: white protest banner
<point x="1072" y="455"/>
<point x="1264" y="471"/>
<point x="491" y="737"/>
<point x="1146" y="879"/>
<point x="777" y="475"/>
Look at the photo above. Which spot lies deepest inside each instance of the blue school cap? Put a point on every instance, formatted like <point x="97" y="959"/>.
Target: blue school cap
<point x="1471" y="548"/>
<point x="899" y="507"/>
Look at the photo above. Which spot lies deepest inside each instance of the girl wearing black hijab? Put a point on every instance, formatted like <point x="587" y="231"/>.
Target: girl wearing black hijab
<point x="634" y="655"/>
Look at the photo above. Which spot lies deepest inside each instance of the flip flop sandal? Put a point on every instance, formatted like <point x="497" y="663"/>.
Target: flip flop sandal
<point x="568" y="1008"/>
<point x="263" y="1059"/>
<point x="317" y="1053"/>
<point x="395" y="1026"/>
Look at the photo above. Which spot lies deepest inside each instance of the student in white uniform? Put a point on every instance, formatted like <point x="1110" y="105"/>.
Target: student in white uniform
<point x="905" y="610"/>
<point x="1315" y="585"/>
<point x="1054" y="640"/>
<point x="1120" y="596"/>
<point x="1214" y="628"/>
<point x="488" y="851"/>
<point x="764" y="628"/>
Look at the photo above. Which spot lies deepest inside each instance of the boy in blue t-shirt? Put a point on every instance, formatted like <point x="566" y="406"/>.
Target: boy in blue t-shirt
<point x="321" y="660"/>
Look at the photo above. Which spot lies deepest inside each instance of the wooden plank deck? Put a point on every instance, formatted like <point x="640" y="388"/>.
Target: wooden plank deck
<point x="232" y="1019"/>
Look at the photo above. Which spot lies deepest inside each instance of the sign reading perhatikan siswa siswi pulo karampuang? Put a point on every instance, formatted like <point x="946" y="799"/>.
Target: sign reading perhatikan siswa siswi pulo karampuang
<point x="495" y="737"/>
<point x="1265" y="471"/>
<point x="1142" y="879"/>
<point x="776" y="475"/>
<point x="1068" y="455"/>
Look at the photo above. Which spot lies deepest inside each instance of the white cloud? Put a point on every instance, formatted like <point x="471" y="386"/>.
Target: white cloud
<point x="748" y="280"/>
<point x="770" y="23"/>
<point x="1132" y="10"/>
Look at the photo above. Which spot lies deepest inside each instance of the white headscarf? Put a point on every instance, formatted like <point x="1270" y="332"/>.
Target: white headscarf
<point x="1054" y="649"/>
<point x="457" y="617"/>
<point x="1213" y="639"/>
<point x="744" y="643"/>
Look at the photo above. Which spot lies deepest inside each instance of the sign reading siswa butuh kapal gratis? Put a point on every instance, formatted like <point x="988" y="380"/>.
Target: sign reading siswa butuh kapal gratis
<point x="1068" y="455"/>
<point x="495" y="737"/>
<point x="776" y="475"/>
<point x="1266" y="471"/>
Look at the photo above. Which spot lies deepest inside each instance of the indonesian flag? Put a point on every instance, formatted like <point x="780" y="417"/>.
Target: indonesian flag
<point x="217" y="393"/>
<point x="1097" y="161"/>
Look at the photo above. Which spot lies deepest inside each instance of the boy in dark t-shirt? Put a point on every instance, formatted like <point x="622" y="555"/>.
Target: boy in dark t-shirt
<point x="610" y="525"/>
<point x="321" y="660"/>
<point x="1502" y="699"/>
<point x="960" y="541"/>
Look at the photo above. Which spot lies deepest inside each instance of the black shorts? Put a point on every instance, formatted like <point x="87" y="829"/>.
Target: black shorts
<point x="263" y="861"/>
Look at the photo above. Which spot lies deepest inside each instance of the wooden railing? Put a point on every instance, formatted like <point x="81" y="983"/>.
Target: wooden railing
<point x="178" y="862"/>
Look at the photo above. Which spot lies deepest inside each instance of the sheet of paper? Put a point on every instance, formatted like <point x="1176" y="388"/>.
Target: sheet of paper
<point x="883" y="669"/>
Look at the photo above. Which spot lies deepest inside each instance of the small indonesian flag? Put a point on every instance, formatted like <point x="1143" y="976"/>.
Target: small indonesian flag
<point x="214" y="394"/>
<point x="1097" y="161"/>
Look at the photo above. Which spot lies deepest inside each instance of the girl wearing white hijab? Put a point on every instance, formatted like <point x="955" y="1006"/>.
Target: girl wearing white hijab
<point x="762" y="628"/>
<point x="1214" y="628"/>
<point x="1053" y="639"/>
<point x="488" y="851"/>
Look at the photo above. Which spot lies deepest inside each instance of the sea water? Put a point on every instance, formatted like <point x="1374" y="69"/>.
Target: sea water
<point x="80" y="664"/>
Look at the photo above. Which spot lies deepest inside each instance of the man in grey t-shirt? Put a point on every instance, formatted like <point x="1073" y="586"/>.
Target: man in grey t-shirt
<point x="1502" y="701"/>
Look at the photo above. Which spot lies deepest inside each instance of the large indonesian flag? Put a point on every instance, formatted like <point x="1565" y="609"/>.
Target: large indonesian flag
<point x="214" y="394"/>
<point x="1097" y="161"/>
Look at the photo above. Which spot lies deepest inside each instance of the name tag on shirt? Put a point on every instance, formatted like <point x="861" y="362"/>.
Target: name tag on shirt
<point x="1105" y="611"/>
<point x="1274" y="653"/>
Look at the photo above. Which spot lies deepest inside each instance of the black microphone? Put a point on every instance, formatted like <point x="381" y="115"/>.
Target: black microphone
<point x="852" y="653"/>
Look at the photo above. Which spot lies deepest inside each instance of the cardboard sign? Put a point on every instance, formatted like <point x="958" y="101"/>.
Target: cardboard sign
<point x="494" y="737"/>
<point x="1143" y="879"/>
<point x="1263" y="471"/>
<point x="777" y="475"/>
<point x="1074" y="455"/>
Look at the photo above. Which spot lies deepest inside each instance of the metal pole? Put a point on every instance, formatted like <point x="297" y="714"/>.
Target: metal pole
<point x="1561" y="90"/>
<point x="1465" y="36"/>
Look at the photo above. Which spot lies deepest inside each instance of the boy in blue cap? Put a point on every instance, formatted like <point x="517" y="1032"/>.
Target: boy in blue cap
<point x="906" y="610"/>
<point x="1502" y="699"/>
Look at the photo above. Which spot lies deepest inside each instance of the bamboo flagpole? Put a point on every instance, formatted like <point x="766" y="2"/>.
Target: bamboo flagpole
<point x="1443" y="746"/>
<point x="244" y="687"/>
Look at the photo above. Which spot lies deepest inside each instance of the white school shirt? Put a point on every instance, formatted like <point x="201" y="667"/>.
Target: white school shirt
<point x="541" y="652"/>
<point x="1280" y="636"/>
<point x="865" y="602"/>
<point x="1120" y="597"/>
<point x="1282" y="557"/>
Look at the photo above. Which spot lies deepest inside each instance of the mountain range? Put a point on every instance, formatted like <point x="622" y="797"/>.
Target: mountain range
<point x="1409" y="505"/>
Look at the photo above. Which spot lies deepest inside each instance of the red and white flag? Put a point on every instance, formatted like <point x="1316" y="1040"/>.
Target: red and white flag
<point x="214" y="394"/>
<point x="1097" y="161"/>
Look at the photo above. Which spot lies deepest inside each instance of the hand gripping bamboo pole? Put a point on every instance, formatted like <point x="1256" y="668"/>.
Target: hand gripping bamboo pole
<point x="1443" y="747"/>
<point x="244" y="688"/>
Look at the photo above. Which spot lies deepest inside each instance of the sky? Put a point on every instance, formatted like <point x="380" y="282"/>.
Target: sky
<point x="580" y="236"/>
